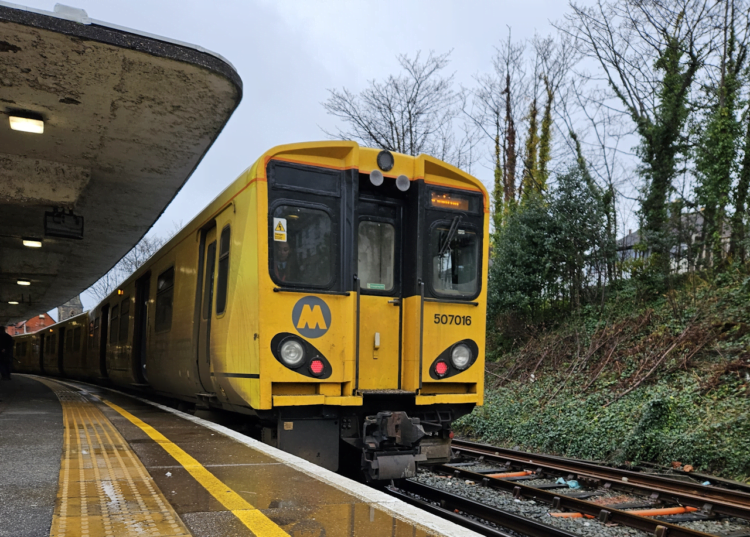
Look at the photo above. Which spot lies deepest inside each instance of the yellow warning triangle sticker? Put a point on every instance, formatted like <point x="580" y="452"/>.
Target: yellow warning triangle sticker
<point x="279" y="227"/>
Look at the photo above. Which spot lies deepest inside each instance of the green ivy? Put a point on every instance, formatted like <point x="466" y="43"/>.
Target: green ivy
<point x="697" y="413"/>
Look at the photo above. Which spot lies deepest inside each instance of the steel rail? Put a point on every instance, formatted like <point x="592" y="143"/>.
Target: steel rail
<point x="723" y="501"/>
<point x="604" y="513"/>
<point x="450" y="502"/>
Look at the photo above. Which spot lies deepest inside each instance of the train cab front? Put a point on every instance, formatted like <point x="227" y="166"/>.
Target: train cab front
<point x="375" y="301"/>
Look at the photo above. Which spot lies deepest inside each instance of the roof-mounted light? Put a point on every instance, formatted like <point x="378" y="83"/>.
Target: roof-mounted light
<point x="26" y="122"/>
<point x="402" y="183"/>
<point x="385" y="160"/>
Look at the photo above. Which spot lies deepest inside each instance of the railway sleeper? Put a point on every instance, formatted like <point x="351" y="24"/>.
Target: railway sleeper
<point x="589" y="509"/>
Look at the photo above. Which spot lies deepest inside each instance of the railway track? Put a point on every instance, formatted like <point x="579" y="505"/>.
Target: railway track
<point x="486" y="487"/>
<point x="480" y="517"/>
<point x="719" y="500"/>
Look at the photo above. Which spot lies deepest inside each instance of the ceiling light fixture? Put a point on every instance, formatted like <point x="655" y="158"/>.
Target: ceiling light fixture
<point x="23" y="282"/>
<point x="13" y="302"/>
<point x="32" y="243"/>
<point x="26" y="122"/>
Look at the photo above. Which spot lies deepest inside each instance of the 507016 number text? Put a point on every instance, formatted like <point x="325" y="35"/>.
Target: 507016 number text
<point x="459" y="320"/>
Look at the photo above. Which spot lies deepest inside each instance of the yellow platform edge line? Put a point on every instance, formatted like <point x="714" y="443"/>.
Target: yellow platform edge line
<point x="250" y="516"/>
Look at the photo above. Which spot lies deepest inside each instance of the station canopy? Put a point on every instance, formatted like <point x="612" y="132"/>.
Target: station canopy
<point x="125" y="118"/>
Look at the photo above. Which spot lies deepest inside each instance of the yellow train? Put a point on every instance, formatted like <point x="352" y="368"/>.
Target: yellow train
<point x="334" y="293"/>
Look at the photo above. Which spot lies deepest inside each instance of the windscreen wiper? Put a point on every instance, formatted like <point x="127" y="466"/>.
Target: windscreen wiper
<point x="451" y="232"/>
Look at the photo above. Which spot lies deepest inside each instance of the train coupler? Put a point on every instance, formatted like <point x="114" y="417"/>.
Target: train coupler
<point x="391" y="446"/>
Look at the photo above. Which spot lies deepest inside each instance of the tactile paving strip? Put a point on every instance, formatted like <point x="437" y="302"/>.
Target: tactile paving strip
<point x="104" y="488"/>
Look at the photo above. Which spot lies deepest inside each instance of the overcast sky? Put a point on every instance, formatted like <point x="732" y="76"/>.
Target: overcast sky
<point x="289" y="53"/>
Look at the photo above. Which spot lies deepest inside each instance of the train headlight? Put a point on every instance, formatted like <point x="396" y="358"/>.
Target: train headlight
<point x="292" y="353"/>
<point x="376" y="177"/>
<point x="461" y="356"/>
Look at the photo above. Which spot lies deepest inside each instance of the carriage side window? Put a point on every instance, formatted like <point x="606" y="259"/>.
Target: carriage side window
<point x="52" y="346"/>
<point x="208" y="290"/>
<point x="454" y="254"/>
<point x="113" y="324"/>
<point x="164" y="296"/>
<point x="223" y="279"/>
<point x="124" y="319"/>
<point x="77" y="339"/>
<point x="375" y="256"/>
<point x="68" y="340"/>
<point x="303" y="250"/>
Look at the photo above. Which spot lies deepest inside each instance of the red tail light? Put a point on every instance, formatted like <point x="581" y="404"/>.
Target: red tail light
<point x="316" y="367"/>
<point x="441" y="368"/>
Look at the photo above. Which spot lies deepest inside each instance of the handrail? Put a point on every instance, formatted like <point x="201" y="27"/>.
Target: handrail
<point x="421" y="329"/>
<point x="356" y="345"/>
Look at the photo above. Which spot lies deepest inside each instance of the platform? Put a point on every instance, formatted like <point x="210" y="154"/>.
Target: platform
<point x="79" y="460"/>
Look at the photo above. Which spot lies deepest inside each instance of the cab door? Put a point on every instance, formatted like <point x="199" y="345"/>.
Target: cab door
<point x="206" y="310"/>
<point x="379" y="272"/>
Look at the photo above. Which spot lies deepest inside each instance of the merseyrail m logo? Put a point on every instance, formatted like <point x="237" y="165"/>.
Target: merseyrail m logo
<point x="311" y="317"/>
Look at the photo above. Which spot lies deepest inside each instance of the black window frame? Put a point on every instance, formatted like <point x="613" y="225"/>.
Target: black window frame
<point x="164" y="302"/>
<point x="222" y="271"/>
<point x="335" y="261"/>
<point x="467" y="224"/>
<point x="271" y="173"/>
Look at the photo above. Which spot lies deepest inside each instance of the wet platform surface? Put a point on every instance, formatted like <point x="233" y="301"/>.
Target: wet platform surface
<point x="82" y="460"/>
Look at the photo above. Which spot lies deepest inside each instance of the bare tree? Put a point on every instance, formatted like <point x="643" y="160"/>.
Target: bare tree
<point x="131" y="262"/>
<point x="413" y="112"/>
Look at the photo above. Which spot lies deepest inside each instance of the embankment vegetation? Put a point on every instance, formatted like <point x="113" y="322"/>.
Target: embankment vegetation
<point x="639" y="380"/>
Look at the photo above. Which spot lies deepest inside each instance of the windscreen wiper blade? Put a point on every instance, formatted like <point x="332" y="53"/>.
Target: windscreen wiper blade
<point x="451" y="232"/>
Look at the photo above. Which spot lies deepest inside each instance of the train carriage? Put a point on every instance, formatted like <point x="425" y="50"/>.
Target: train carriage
<point x="25" y="359"/>
<point x="334" y="293"/>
